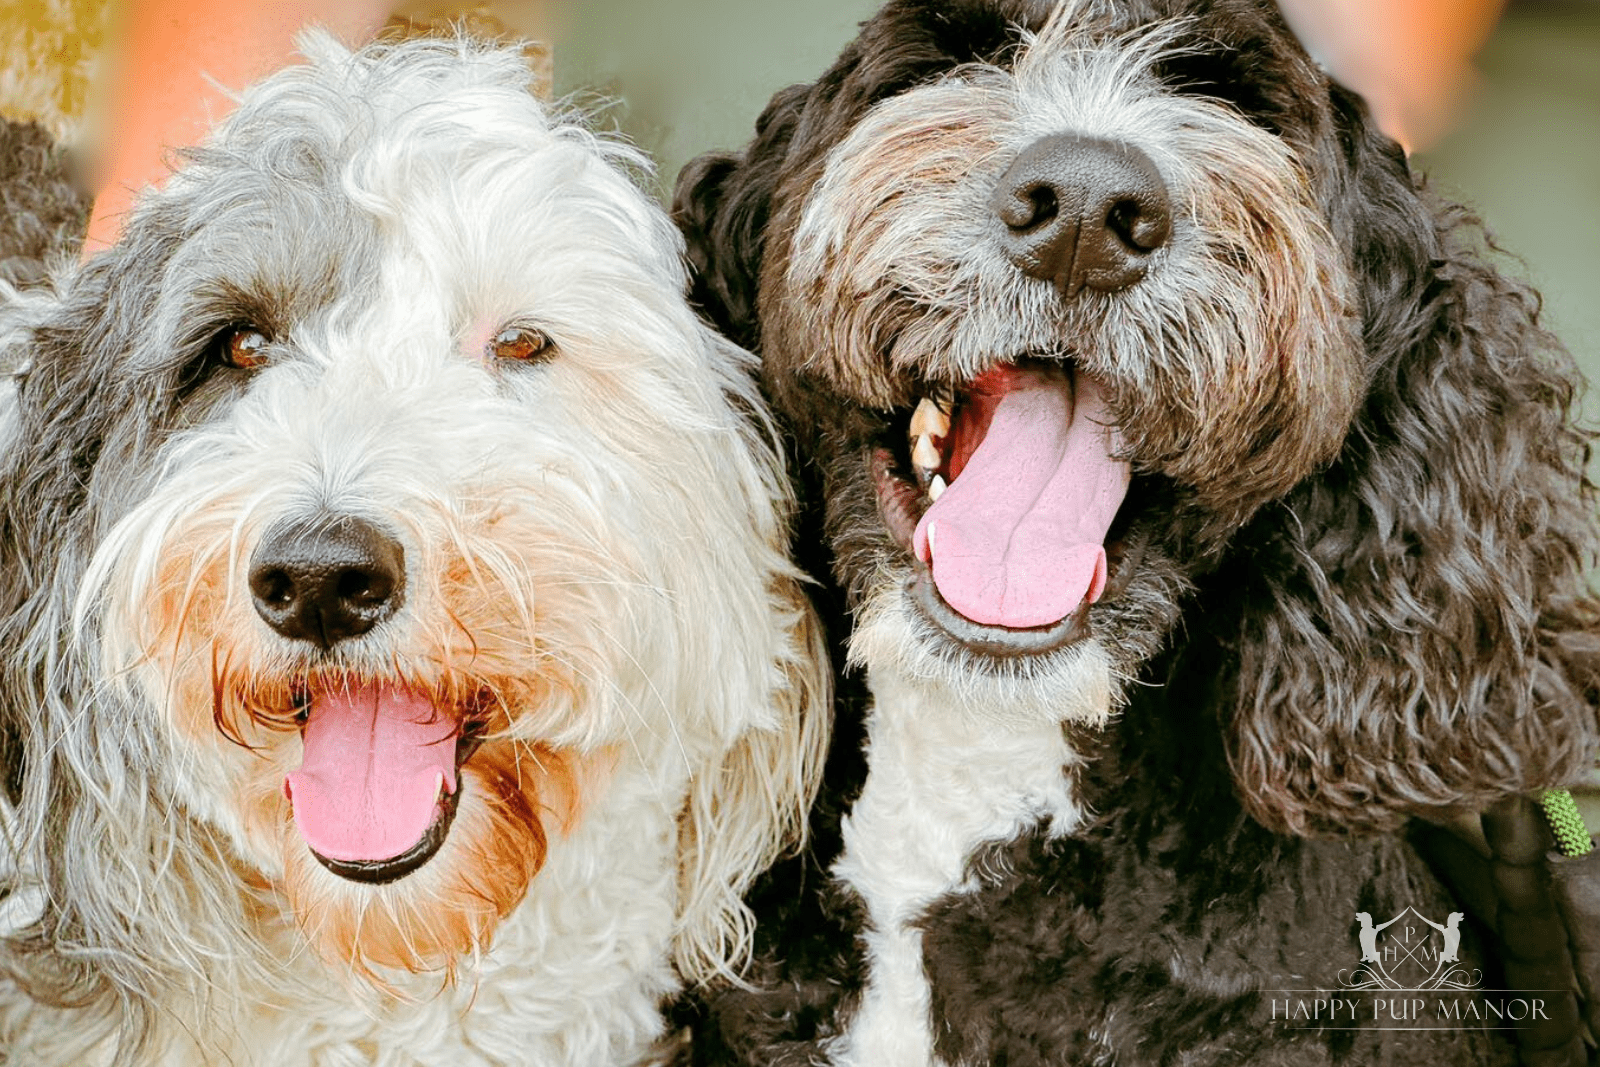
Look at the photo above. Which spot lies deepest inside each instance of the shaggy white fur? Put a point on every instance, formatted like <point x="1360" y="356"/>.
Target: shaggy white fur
<point x="390" y="294"/>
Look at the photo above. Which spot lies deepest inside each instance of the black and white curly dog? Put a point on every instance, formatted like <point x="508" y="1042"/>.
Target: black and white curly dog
<point x="399" y="658"/>
<point x="1199" y="504"/>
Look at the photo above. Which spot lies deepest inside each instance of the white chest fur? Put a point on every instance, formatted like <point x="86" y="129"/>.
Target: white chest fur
<point x="942" y="782"/>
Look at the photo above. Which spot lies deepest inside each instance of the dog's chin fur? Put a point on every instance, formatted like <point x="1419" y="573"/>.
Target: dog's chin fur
<point x="596" y="596"/>
<point x="1348" y="585"/>
<point x="1075" y="684"/>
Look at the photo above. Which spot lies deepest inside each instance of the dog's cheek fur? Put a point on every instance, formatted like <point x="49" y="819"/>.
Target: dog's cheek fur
<point x="722" y="204"/>
<point x="1418" y="632"/>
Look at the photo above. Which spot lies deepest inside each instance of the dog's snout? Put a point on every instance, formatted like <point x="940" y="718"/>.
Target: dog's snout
<point x="325" y="581"/>
<point x="1082" y="211"/>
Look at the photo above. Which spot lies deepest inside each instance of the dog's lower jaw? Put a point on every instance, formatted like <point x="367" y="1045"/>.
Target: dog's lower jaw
<point x="942" y="783"/>
<point x="610" y="948"/>
<point x="607" y="947"/>
<point x="1076" y="683"/>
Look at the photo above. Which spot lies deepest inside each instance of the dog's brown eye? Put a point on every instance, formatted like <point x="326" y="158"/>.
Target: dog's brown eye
<point x="520" y="343"/>
<point x="244" y="347"/>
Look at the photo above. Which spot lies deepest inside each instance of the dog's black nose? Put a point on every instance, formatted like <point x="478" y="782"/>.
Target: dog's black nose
<point x="1081" y="211"/>
<point x="327" y="580"/>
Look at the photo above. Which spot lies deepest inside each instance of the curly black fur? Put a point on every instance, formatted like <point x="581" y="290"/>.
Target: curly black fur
<point x="1403" y="630"/>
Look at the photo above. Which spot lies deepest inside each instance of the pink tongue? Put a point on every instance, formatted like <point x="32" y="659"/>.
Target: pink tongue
<point x="1018" y="538"/>
<point x="368" y="787"/>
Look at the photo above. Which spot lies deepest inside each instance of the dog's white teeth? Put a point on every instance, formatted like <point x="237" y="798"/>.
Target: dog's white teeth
<point x="438" y="786"/>
<point x="929" y="420"/>
<point x="936" y="487"/>
<point x="930" y="424"/>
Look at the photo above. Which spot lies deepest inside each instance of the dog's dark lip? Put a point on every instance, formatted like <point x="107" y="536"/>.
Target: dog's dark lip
<point x="997" y="642"/>
<point x="471" y="738"/>
<point x="900" y="502"/>
<point x="381" y="872"/>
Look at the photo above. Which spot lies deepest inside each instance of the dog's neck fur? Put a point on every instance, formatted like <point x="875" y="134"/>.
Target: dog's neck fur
<point x="943" y="782"/>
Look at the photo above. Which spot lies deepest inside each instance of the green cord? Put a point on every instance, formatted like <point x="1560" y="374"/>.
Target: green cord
<point x="1572" y="837"/>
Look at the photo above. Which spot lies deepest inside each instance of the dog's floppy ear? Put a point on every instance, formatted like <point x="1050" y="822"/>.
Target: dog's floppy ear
<point x="767" y="682"/>
<point x="21" y="313"/>
<point x="722" y="203"/>
<point x="745" y="813"/>
<point x="52" y="426"/>
<point x="1416" y="629"/>
<point x="87" y="815"/>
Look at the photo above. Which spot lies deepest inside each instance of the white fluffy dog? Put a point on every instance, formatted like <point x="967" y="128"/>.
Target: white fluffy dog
<point x="398" y="659"/>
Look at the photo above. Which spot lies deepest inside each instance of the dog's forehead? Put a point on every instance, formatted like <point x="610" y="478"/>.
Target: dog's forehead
<point x="264" y="245"/>
<point x="477" y="196"/>
<point x="1240" y="51"/>
<point x="455" y="195"/>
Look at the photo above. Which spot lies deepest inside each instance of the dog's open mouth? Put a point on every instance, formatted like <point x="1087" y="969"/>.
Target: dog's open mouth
<point x="377" y="788"/>
<point x="1012" y="487"/>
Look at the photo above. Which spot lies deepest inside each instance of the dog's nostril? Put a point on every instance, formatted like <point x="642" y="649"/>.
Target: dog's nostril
<point x="1029" y="209"/>
<point x="1136" y="228"/>
<point x="326" y="581"/>
<point x="364" y="586"/>
<point x="273" y="586"/>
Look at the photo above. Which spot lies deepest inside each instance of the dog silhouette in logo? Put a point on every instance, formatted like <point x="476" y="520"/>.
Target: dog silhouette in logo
<point x="1369" y="935"/>
<point x="1452" y="936"/>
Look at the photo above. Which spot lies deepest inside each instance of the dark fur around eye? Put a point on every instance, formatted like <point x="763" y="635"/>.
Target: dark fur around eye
<point x="236" y="348"/>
